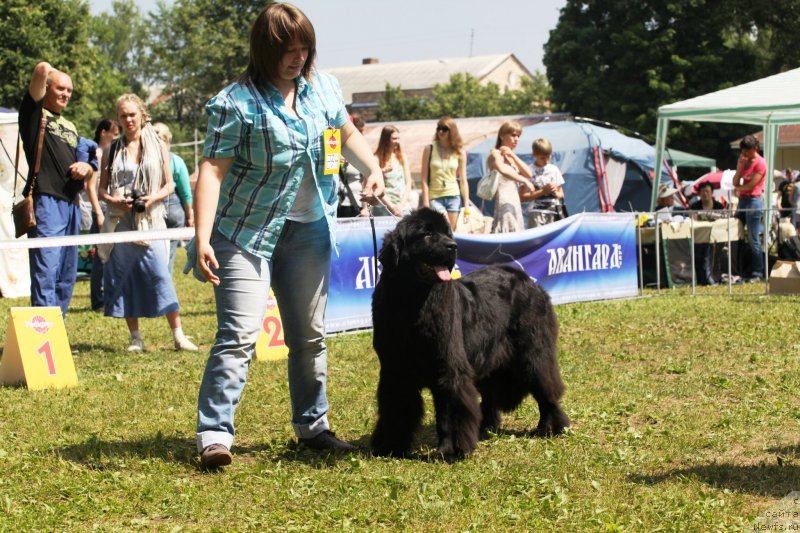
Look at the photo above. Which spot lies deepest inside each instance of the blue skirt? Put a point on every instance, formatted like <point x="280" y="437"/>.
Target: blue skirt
<point x="136" y="280"/>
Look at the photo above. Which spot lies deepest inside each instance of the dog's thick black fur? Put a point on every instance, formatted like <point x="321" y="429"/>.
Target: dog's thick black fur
<point x="491" y="333"/>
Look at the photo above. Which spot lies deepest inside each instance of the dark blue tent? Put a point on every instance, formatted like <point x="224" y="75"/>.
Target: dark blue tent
<point x="589" y="157"/>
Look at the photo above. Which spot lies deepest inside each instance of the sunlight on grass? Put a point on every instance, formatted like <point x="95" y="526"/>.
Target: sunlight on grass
<point x="685" y="418"/>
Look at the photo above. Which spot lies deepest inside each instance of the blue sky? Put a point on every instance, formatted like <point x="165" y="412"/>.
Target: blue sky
<point x="409" y="30"/>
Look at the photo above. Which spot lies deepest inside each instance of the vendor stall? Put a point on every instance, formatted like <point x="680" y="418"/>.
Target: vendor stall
<point x="675" y="240"/>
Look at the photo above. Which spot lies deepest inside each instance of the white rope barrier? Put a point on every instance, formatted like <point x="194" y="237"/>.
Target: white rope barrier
<point x="86" y="239"/>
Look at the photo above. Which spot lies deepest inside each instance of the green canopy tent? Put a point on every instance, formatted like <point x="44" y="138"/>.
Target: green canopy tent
<point x="679" y="158"/>
<point x="768" y="102"/>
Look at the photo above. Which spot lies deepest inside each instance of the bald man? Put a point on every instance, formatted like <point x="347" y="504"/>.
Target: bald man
<point x="60" y="179"/>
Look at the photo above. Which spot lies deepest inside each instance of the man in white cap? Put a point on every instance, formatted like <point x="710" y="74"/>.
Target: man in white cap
<point x="665" y="203"/>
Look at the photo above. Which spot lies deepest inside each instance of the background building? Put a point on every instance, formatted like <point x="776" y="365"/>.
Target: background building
<point x="365" y="84"/>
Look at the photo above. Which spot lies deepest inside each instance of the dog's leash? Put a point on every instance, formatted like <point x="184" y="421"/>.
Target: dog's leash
<point x="375" y="236"/>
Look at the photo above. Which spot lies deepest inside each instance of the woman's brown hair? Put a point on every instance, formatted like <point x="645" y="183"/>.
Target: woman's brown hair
<point x="385" y="150"/>
<point x="512" y="127"/>
<point x="274" y="30"/>
<point x="453" y="138"/>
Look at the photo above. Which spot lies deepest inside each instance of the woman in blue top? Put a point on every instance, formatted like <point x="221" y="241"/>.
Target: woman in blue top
<point x="265" y="215"/>
<point x="179" y="203"/>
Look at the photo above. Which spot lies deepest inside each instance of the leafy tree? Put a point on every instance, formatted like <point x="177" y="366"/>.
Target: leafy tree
<point x="196" y="48"/>
<point x="465" y="96"/>
<point x="532" y="97"/>
<point x="56" y="31"/>
<point x="619" y="61"/>
<point x="121" y="36"/>
<point x="395" y="105"/>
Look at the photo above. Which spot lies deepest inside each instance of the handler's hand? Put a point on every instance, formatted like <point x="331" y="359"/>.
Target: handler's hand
<point x="206" y="260"/>
<point x="80" y="171"/>
<point x="373" y="188"/>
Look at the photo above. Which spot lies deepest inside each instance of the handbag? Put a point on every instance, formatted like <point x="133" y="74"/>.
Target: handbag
<point x="24" y="216"/>
<point x="23" y="212"/>
<point x="475" y="223"/>
<point x="487" y="185"/>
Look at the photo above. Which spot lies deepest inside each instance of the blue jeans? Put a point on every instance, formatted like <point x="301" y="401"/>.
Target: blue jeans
<point x="750" y="211"/>
<point x="298" y="273"/>
<point x="54" y="269"/>
<point x="446" y="204"/>
<point x="176" y="218"/>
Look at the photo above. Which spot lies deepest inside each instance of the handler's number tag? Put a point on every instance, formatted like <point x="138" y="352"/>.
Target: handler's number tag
<point x="332" y="141"/>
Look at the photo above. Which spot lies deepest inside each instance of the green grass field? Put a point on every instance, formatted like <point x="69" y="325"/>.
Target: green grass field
<point x="685" y="413"/>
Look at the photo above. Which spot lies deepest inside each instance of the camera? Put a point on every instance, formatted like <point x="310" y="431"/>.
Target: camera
<point x="138" y="203"/>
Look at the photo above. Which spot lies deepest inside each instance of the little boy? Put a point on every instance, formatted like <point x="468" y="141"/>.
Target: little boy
<point x="547" y="201"/>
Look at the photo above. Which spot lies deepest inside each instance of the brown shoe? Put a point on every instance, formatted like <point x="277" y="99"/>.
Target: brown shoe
<point x="215" y="455"/>
<point x="327" y="441"/>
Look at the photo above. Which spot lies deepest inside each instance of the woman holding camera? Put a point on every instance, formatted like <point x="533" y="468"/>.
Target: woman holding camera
<point x="135" y="179"/>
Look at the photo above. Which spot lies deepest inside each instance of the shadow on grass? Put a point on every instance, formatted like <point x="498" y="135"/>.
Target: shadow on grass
<point x="98" y="454"/>
<point x="776" y="479"/>
<point x="86" y="347"/>
<point x="424" y="446"/>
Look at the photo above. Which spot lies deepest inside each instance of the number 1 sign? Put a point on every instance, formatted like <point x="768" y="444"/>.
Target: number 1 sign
<point x="37" y="351"/>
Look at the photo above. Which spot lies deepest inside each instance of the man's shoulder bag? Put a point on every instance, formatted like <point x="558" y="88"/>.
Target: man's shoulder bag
<point x="23" y="212"/>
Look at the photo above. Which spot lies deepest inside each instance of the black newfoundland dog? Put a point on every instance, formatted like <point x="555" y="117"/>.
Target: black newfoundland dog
<point x="492" y="333"/>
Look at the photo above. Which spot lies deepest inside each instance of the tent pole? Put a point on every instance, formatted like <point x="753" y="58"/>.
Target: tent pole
<point x="770" y="141"/>
<point x="661" y="141"/>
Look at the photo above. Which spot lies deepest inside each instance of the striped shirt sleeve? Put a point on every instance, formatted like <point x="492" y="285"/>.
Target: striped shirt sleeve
<point x="225" y="128"/>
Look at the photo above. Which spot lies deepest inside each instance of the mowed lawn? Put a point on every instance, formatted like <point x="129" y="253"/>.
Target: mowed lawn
<point x="685" y="410"/>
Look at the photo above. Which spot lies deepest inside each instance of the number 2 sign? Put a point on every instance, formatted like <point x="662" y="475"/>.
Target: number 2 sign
<point x="37" y="351"/>
<point x="270" y="345"/>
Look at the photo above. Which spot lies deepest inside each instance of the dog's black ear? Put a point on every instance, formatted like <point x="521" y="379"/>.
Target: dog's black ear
<point x="389" y="255"/>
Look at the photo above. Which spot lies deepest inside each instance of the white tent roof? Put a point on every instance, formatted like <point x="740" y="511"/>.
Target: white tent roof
<point x="775" y="99"/>
<point x="767" y="102"/>
<point x="9" y="117"/>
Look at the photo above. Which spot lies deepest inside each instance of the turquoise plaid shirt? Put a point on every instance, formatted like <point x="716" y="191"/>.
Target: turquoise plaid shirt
<point x="271" y="151"/>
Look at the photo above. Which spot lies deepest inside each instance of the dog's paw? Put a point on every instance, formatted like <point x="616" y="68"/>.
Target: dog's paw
<point x="451" y="457"/>
<point x="552" y="426"/>
<point x="487" y="431"/>
<point x="380" y="451"/>
<point x="451" y="453"/>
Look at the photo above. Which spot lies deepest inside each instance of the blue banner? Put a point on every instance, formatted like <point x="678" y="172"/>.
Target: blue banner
<point x="590" y="256"/>
<point x="353" y="273"/>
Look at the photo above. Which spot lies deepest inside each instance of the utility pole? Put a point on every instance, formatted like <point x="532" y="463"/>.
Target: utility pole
<point x="471" y="41"/>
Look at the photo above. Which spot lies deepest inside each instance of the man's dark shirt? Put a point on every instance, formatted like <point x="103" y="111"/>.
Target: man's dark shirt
<point x="697" y="205"/>
<point x="58" y="149"/>
<point x="786" y="190"/>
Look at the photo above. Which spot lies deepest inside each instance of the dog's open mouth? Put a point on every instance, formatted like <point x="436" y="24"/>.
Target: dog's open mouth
<point x="441" y="272"/>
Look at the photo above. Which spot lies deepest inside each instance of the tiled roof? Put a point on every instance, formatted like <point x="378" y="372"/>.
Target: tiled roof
<point x="788" y="136"/>
<point x="414" y="74"/>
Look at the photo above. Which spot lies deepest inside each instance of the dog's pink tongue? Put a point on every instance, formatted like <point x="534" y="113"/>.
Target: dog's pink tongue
<point x="443" y="272"/>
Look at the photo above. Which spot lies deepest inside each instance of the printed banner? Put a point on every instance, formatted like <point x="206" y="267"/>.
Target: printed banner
<point x="590" y="256"/>
<point x="353" y="273"/>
